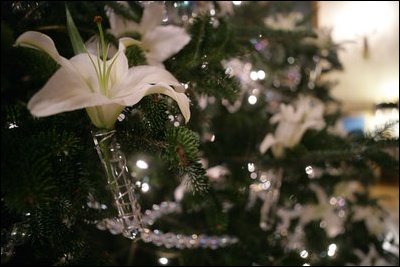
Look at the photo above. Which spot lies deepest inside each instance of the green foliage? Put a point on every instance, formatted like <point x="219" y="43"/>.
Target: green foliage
<point x="41" y="170"/>
<point x="182" y="151"/>
<point x="200" y="61"/>
<point x="50" y="169"/>
<point x="135" y="56"/>
<point x="76" y="39"/>
<point x="38" y="64"/>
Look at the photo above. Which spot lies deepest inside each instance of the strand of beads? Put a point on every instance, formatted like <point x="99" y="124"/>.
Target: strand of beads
<point x="169" y="240"/>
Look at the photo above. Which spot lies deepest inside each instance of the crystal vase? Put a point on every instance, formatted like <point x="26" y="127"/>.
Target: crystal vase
<point x="120" y="182"/>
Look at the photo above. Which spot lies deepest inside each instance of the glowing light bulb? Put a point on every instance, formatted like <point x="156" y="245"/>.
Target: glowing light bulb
<point x="304" y="254"/>
<point x="254" y="75"/>
<point x="163" y="261"/>
<point x="251" y="167"/>
<point x="261" y="74"/>
<point x="145" y="187"/>
<point x="332" y="250"/>
<point x="252" y="99"/>
<point x="142" y="164"/>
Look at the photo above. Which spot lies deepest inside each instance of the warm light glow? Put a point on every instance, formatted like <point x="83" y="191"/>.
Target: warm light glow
<point x="252" y="99"/>
<point x="212" y="138"/>
<point x="382" y="117"/>
<point x="389" y="92"/>
<point x="142" y="164"/>
<point x="237" y="3"/>
<point x="356" y="19"/>
<point x="254" y="75"/>
<point x="370" y="55"/>
<point x="261" y="74"/>
<point x="163" y="260"/>
<point x="304" y="254"/>
<point x="332" y="250"/>
<point x="145" y="187"/>
<point x="309" y="170"/>
<point x="251" y="167"/>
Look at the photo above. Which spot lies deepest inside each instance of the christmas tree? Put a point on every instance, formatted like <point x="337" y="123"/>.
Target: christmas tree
<point x="182" y="133"/>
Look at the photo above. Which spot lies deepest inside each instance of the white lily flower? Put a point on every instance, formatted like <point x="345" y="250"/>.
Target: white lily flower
<point x="294" y="121"/>
<point x="104" y="88"/>
<point x="158" y="42"/>
<point x="324" y="211"/>
<point x="374" y="218"/>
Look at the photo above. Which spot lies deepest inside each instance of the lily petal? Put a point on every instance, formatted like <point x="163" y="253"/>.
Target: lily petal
<point x="268" y="142"/>
<point x="152" y="16"/>
<point x="181" y="99"/>
<point x="91" y="44"/>
<point x="64" y="92"/>
<point x="143" y="80"/>
<point x="138" y="92"/>
<point x="104" y="117"/>
<point x="119" y="69"/>
<point x="40" y="41"/>
<point x="164" y="41"/>
<point x="151" y="75"/>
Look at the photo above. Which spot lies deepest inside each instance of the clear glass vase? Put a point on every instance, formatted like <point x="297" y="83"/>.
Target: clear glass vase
<point x="120" y="182"/>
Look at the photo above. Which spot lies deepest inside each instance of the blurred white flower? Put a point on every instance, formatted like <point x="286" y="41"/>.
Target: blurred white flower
<point x="294" y="120"/>
<point x="374" y="219"/>
<point x="324" y="211"/>
<point x="158" y="42"/>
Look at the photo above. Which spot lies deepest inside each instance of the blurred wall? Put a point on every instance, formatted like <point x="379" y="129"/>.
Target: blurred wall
<point x="368" y="33"/>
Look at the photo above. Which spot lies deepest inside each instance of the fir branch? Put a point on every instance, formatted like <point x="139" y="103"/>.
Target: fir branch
<point x="200" y="61"/>
<point x="182" y="151"/>
<point x="37" y="63"/>
<point x="135" y="56"/>
<point x="155" y="115"/>
<point x="197" y="179"/>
